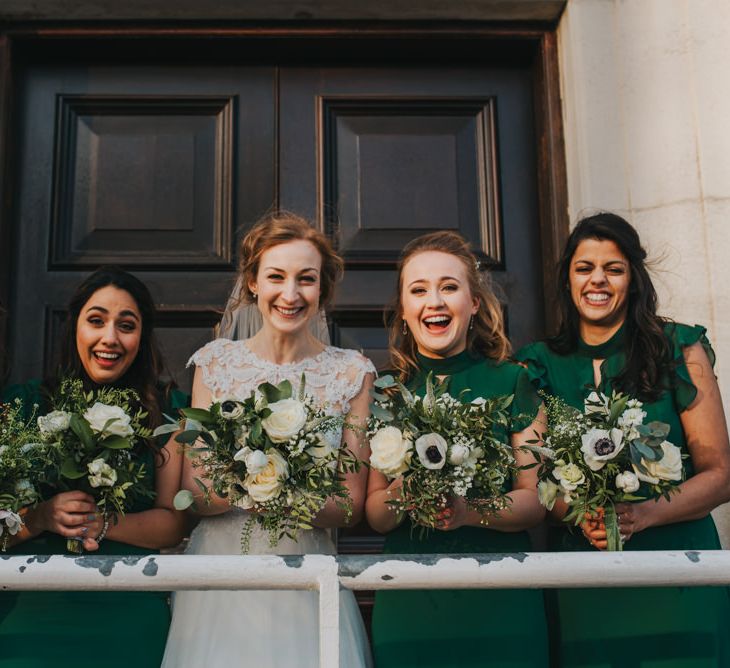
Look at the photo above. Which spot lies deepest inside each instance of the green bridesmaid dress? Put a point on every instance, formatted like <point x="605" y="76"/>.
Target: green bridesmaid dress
<point x="668" y="627"/>
<point x="462" y="628"/>
<point x="83" y="629"/>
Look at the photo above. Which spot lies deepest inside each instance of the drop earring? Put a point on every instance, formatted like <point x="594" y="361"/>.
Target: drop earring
<point x="404" y="329"/>
<point x="471" y="322"/>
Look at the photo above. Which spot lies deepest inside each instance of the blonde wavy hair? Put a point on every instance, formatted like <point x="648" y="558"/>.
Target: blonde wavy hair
<point x="486" y="336"/>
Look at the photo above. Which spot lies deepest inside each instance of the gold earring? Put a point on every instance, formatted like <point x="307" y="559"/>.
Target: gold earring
<point x="471" y="322"/>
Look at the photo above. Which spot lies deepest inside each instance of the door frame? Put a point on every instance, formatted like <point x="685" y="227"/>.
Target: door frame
<point x="541" y="35"/>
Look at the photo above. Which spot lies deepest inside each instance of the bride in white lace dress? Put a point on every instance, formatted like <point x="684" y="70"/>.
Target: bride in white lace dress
<point x="288" y="269"/>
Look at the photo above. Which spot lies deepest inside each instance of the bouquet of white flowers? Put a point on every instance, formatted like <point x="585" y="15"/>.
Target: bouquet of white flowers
<point x="93" y="437"/>
<point x="601" y="457"/>
<point x="22" y="459"/>
<point x="274" y="453"/>
<point x="442" y="447"/>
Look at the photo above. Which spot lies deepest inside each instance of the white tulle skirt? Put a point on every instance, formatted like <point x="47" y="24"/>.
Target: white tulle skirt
<point x="260" y="629"/>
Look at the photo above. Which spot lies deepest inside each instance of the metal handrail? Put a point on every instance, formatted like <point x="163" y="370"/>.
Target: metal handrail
<point x="327" y="573"/>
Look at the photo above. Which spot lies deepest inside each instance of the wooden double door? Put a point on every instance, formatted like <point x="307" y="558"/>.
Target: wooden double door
<point x="159" y="164"/>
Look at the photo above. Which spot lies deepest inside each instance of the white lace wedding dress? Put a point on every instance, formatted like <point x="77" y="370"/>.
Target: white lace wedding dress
<point x="265" y="629"/>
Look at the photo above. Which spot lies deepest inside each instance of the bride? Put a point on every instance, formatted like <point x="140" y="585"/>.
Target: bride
<point x="288" y="270"/>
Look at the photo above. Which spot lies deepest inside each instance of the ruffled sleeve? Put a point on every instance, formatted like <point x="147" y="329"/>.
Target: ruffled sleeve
<point x="680" y="337"/>
<point x="532" y="356"/>
<point x="525" y="403"/>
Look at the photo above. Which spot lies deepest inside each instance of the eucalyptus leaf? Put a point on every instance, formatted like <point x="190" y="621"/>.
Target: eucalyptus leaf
<point x="192" y="424"/>
<point x="189" y="436"/>
<point x="165" y="429"/>
<point x="381" y="413"/>
<point x="384" y="382"/>
<point x="183" y="499"/>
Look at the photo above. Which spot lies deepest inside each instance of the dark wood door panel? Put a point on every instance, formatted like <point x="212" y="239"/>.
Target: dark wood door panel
<point x="380" y="156"/>
<point x="151" y="168"/>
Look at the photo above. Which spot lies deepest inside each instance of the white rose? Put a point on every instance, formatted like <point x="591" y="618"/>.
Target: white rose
<point x="669" y="467"/>
<point x="458" y="454"/>
<point x="600" y="445"/>
<point x="287" y="418"/>
<point x="231" y="409"/>
<point x="547" y="493"/>
<point x="10" y="521"/>
<point x="99" y="414"/>
<point x="101" y="474"/>
<point x="268" y="483"/>
<point x="431" y="449"/>
<point x="255" y="460"/>
<point x="390" y="451"/>
<point x="54" y="422"/>
<point x="599" y="404"/>
<point x="569" y="476"/>
<point x="627" y="481"/>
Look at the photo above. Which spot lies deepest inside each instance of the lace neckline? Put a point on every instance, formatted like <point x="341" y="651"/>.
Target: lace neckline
<point x="314" y="359"/>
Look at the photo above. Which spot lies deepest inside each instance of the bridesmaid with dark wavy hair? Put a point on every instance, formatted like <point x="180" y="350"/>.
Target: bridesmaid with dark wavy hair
<point x="108" y="341"/>
<point x="611" y="338"/>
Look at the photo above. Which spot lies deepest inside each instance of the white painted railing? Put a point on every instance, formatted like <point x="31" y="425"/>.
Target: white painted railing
<point x="326" y="574"/>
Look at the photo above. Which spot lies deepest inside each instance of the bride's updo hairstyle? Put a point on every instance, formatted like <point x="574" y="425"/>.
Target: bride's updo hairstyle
<point x="280" y="227"/>
<point x="485" y="337"/>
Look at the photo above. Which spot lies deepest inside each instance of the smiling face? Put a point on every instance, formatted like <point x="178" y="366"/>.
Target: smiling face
<point x="287" y="285"/>
<point x="600" y="277"/>
<point x="437" y="303"/>
<point x="108" y="334"/>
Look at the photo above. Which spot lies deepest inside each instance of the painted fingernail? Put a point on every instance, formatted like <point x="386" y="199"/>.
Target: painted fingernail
<point x="91" y="517"/>
<point x="84" y="530"/>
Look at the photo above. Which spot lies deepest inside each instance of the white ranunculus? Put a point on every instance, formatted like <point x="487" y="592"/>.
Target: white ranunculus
<point x="390" y="451"/>
<point x="245" y="502"/>
<point x="99" y="414"/>
<point x="268" y="483"/>
<point x="547" y="493"/>
<point x="10" y="521"/>
<point x="631" y="417"/>
<point x="287" y="418"/>
<point x="54" y="422"/>
<point x="627" y="481"/>
<point x="600" y="445"/>
<point x="599" y="404"/>
<point x="255" y="460"/>
<point x="101" y="474"/>
<point x="231" y="409"/>
<point x="458" y="454"/>
<point x="431" y="449"/>
<point x="569" y="476"/>
<point x="669" y="467"/>
<point x="474" y="456"/>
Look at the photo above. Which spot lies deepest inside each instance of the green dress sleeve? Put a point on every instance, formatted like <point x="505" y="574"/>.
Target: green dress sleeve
<point x="532" y="356"/>
<point x="526" y="402"/>
<point x="682" y="336"/>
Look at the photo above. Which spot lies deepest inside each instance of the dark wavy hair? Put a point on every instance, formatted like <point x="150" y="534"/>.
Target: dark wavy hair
<point x="143" y="375"/>
<point x="486" y="336"/>
<point x="647" y="349"/>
